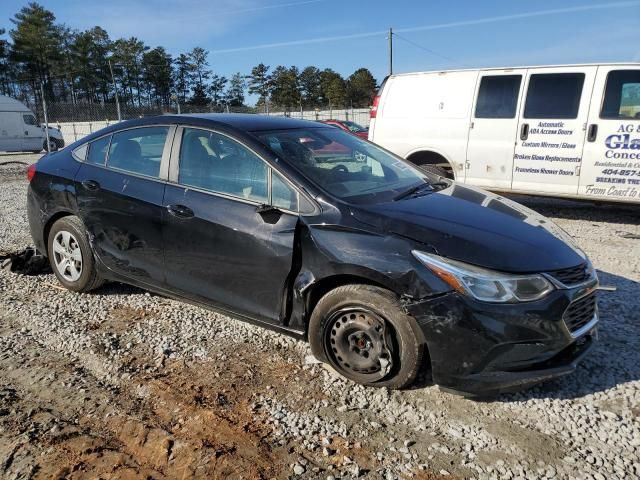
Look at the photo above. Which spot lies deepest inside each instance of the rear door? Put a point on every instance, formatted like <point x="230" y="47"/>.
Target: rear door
<point x="222" y="246"/>
<point x="493" y="129"/>
<point x="611" y="161"/>
<point x="33" y="138"/>
<point x="119" y="187"/>
<point x="552" y="129"/>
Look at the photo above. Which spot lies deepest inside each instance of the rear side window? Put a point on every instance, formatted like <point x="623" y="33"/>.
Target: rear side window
<point x="498" y="96"/>
<point x="214" y="162"/>
<point x="138" y="150"/>
<point x="98" y="151"/>
<point x="554" y="95"/>
<point x="622" y="95"/>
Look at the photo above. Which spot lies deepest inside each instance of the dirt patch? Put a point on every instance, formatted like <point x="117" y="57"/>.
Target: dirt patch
<point x="188" y="421"/>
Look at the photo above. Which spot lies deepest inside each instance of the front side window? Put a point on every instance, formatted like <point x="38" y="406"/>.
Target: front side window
<point x="554" y="95"/>
<point x="29" y="119"/>
<point x="214" y="162"/>
<point x="138" y="150"/>
<point x="343" y="164"/>
<point x="98" y="151"/>
<point x="282" y="195"/>
<point x="622" y="95"/>
<point x="498" y="96"/>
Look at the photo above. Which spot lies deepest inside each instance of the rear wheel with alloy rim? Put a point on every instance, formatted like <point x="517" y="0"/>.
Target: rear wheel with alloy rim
<point x="362" y="332"/>
<point x="71" y="257"/>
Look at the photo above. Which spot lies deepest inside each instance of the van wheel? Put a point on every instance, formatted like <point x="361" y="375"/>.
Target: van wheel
<point x="53" y="145"/>
<point x="71" y="257"/>
<point x="362" y="332"/>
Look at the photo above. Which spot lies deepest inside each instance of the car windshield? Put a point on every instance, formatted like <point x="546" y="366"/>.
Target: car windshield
<point x="344" y="165"/>
<point x="354" y="127"/>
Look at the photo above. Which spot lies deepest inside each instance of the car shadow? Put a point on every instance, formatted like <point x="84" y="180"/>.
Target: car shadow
<point x="615" y="358"/>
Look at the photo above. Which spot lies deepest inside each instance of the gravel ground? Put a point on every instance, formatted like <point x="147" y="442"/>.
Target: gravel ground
<point x="124" y="384"/>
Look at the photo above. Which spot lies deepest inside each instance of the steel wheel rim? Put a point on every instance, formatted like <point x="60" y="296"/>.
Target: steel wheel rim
<point x="67" y="256"/>
<point x="359" y="343"/>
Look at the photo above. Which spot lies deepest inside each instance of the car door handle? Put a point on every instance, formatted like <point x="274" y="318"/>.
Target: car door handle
<point x="524" y="133"/>
<point x="592" y="134"/>
<point x="180" y="211"/>
<point x="91" y="185"/>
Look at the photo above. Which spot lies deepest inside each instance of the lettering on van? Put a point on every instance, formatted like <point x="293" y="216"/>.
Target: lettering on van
<point x="618" y="174"/>
<point x="613" y="191"/>
<point x="550" y="128"/>
<point x="546" y="158"/>
<point x="545" y="171"/>
<point x="548" y="145"/>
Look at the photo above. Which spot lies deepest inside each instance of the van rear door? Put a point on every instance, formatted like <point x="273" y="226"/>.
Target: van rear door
<point x="611" y="160"/>
<point x="493" y="128"/>
<point x="552" y="129"/>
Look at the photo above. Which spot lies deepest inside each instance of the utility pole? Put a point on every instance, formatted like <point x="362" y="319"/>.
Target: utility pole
<point x="115" y="91"/>
<point x="390" y="51"/>
<point x="46" y="120"/>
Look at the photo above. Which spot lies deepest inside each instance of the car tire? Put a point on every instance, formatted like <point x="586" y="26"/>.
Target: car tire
<point x="345" y="326"/>
<point x="71" y="257"/>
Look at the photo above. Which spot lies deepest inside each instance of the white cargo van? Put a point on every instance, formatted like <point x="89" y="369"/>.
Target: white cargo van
<point x="571" y="131"/>
<point x="20" y="131"/>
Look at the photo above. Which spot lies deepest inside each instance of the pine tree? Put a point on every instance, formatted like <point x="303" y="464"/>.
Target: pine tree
<point x="260" y="83"/>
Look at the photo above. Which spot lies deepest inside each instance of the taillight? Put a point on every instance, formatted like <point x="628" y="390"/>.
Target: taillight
<point x="31" y="172"/>
<point x="374" y="108"/>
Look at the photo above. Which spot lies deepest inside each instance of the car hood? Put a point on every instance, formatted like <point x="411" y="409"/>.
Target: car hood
<point x="477" y="227"/>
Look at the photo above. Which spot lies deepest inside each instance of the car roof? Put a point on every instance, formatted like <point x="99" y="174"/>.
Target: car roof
<point x="249" y="122"/>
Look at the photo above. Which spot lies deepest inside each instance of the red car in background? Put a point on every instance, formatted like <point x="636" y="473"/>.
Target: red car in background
<point x="350" y="127"/>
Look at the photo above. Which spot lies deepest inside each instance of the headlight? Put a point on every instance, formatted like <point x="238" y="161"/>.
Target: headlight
<point x="486" y="285"/>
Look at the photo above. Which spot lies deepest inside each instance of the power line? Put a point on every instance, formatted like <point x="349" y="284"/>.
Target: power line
<point x="428" y="50"/>
<point x="437" y="26"/>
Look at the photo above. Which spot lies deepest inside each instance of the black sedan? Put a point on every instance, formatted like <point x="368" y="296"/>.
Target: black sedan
<point x="313" y="232"/>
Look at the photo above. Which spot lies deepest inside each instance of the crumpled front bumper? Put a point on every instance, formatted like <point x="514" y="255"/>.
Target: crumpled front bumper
<point x="482" y="349"/>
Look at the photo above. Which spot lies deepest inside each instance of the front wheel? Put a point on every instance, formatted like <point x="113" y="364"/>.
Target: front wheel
<point x="53" y="145"/>
<point x="362" y="332"/>
<point x="71" y="257"/>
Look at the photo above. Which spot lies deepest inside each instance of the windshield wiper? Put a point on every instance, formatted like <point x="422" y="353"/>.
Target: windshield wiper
<point x="413" y="191"/>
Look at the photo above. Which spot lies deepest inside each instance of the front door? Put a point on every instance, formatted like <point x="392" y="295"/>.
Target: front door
<point x="222" y="246"/>
<point x="552" y="129"/>
<point x="493" y="129"/>
<point x="120" y="203"/>
<point x="611" y="161"/>
<point x="33" y="136"/>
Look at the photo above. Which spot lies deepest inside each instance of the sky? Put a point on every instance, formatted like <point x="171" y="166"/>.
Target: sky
<point x="345" y="35"/>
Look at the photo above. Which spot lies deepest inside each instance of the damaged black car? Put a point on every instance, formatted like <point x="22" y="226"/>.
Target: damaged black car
<point x="388" y="271"/>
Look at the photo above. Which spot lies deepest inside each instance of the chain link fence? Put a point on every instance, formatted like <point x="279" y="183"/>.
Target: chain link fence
<point x="76" y="121"/>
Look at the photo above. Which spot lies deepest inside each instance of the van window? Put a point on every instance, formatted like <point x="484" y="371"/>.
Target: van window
<point x="622" y="95"/>
<point x="29" y="119"/>
<point x="554" y="95"/>
<point x="98" y="151"/>
<point x="498" y="96"/>
<point x="138" y="150"/>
